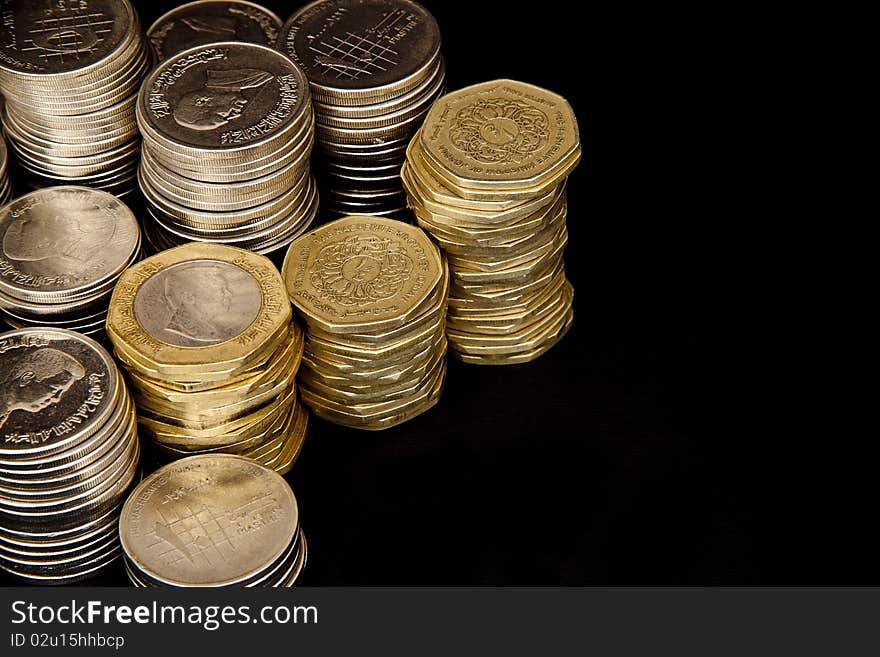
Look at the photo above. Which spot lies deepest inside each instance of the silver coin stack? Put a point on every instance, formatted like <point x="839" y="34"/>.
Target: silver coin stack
<point x="374" y="68"/>
<point x="236" y="524"/>
<point x="207" y="21"/>
<point x="70" y="72"/>
<point x="68" y="457"/>
<point x="228" y="133"/>
<point x="62" y="249"/>
<point x="5" y="185"/>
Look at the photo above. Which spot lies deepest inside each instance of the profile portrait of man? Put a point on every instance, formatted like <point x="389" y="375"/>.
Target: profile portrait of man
<point x="45" y="236"/>
<point x="198" y="300"/>
<point x="33" y="380"/>
<point x="222" y="98"/>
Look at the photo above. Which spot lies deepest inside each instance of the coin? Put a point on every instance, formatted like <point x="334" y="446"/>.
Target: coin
<point x="68" y="455"/>
<point x="5" y="186"/>
<point x="61" y="251"/>
<point x="374" y="67"/>
<point x="212" y="521"/>
<point x="205" y="333"/>
<point x="67" y="69"/>
<point x="228" y="133"/>
<point x="208" y="21"/>
<point x="372" y="293"/>
<point x="486" y="177"/>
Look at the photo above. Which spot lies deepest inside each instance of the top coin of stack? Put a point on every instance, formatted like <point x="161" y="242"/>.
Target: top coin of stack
<point x="70" y="72"/>
<point x="62" y="250"/>
<point x="5" y="185"/>
<point x="208" y="21"/>
<point x="374" y="67"/>
<point x="228" y="132"/>
<point x="486" y="178"/>
<point x="373" y="293"/>
<point x="68" y="456"/>
<point x="236" y="524"/>
<point x="205" y="334"/>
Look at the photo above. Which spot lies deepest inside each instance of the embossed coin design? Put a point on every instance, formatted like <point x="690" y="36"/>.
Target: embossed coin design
<point x="212" y="521"/>
<point x="206" y="336"/>
<point x="228" y="134"/>
<point x="374" y="67"/>
<point x="70" y="72"/>
<point x="61" y="251"/>
<point x="208" y="21"/>
<point x="486" y="177"/>
<point x="373" y="294"/>
<point x="68" y="454"/>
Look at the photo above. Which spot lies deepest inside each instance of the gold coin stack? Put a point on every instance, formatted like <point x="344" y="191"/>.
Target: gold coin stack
<point x="228" y="134"/>
<point x="204" y="332"/>
<point x="68" y="457"/>
<point x="374" y="67"/>
<point x="5" y="185"/>
<point x="62" y="250"/>
<point x="486" y="177"/>
<point x="70" y="73"/>
<point x="237" y="525"/>
<point x="373" y="294"/>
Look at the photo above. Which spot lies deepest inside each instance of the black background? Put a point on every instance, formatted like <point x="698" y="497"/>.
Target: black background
<point x="621" y="456"/>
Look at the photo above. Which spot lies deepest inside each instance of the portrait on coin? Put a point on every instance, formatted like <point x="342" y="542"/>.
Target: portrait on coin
<point x="221" y="99"/>
<point x="198" y="303"/>
<point x="59" y="242"/>
<point x="36" y="379"/>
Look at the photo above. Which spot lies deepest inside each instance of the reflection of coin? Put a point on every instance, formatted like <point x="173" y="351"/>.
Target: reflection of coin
<point x="209" y="21"/>
<point x="211" y="520"/>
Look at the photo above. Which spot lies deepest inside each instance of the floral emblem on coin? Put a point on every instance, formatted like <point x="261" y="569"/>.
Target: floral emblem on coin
<point x="361" y="269"/>
<point x="499" y="130"/>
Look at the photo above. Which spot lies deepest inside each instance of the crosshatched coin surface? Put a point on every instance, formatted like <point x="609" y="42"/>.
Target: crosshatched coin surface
<point x="61" y="241"/>
<point x="208" y="520"/>
<point x="223" y="96"/>
<point x="208" y="21"/>
<point x="361" y="44"/>
<point x="60" y="37"/>
<point x="56" y="388"/>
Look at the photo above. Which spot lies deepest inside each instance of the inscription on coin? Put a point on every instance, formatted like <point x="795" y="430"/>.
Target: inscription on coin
<point x="198" y="303"/>
<point x="52" y="385"/>
<point x="209" y="21"/>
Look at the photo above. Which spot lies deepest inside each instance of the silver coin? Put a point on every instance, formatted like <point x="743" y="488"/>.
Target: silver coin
<point x="208" y="520"/>
<point x="208" y="21"/>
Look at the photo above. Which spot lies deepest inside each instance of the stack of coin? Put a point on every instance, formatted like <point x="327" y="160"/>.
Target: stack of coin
<point x="373" y="294"/>
<point x="485" y="176"/>
<point x="69" y="455"/>
<point x="208" y="21"/>
<point x="205" y="334"/>
<point x="70" y="72"/>
<point x="62" y="250"/>
<point x="5" y="186"/>
<point x="228" y="132"/>
<point x="375" y="68"/>
<point x="213" y="520"/>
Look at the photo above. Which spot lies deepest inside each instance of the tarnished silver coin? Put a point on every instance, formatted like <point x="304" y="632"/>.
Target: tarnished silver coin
<point x="62" y="243"/>
<point x="209" y="21"/>
<point x="208" y="520"/>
